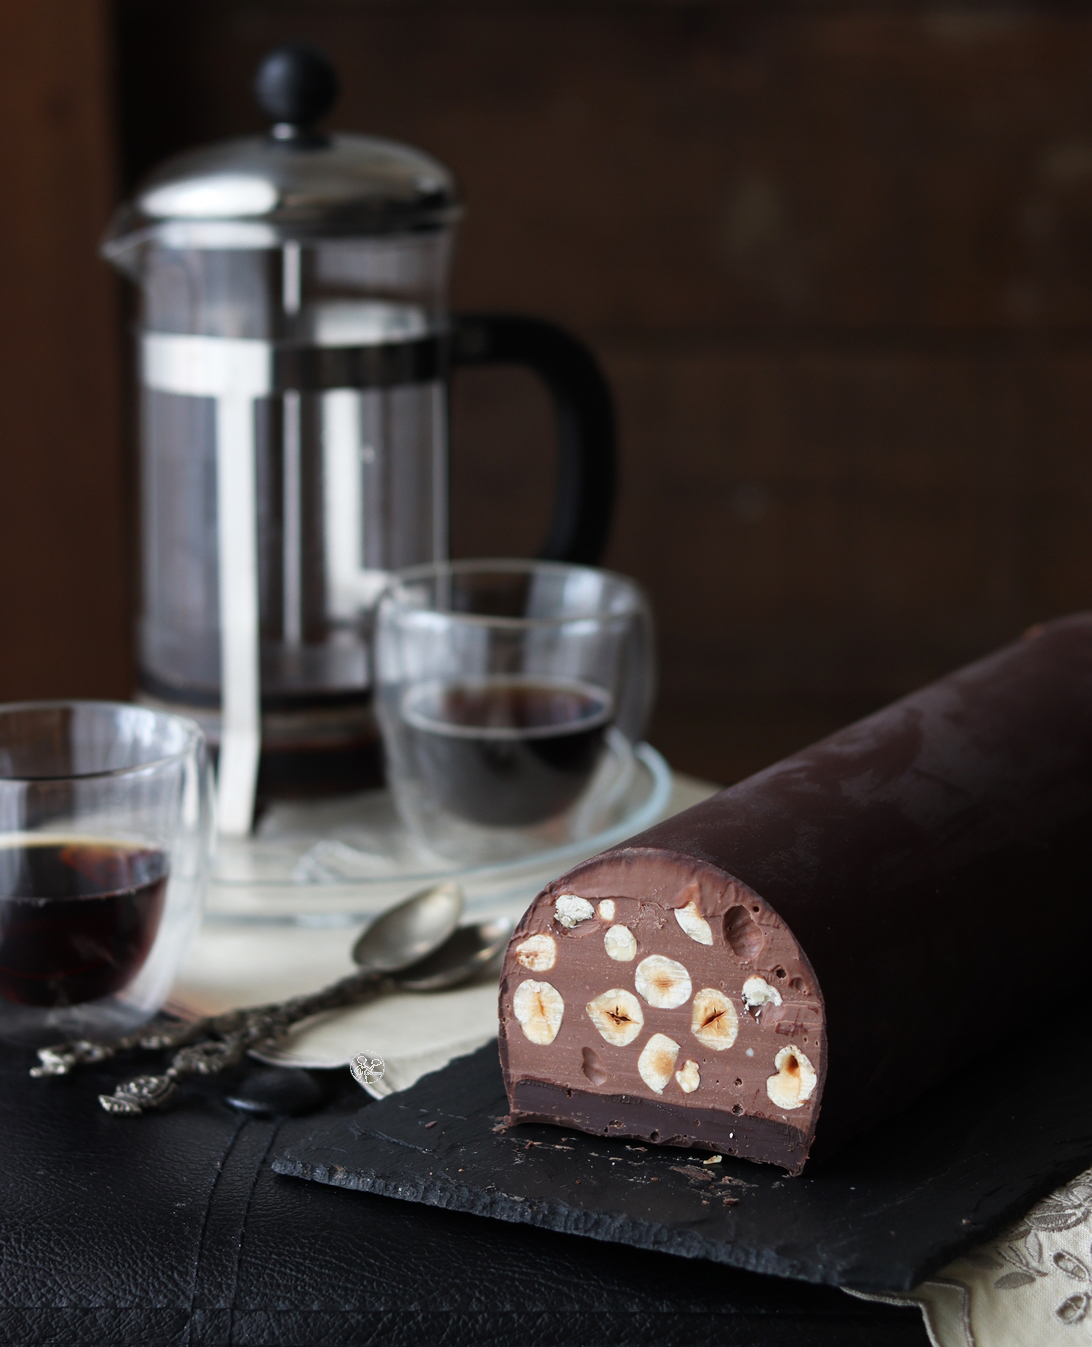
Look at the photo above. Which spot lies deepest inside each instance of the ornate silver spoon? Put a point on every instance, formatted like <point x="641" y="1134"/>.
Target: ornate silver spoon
<point x="399" y="939"/>
<point x="470" y="951"/>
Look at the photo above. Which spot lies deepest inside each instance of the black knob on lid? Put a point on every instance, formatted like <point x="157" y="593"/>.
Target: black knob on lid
<point x="295" y="86"/>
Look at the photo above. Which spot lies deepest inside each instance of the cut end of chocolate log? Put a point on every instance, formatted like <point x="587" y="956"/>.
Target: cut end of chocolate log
<point x="678" y="1009"/>
<point x="864" y="901"/>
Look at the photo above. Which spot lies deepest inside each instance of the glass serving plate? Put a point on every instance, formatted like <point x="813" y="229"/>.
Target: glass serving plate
<point x="337" y="862"/>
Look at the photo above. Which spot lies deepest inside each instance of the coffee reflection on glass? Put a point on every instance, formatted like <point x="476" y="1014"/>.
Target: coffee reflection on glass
<point x="506" y="752"/>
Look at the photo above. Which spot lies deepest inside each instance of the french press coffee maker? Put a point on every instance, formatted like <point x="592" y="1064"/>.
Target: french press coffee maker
<point x="294" y="351"/>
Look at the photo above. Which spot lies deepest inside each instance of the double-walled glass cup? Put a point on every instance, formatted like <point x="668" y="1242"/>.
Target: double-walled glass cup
<point x="105" y="834"/>
<point x="510" y="696"/>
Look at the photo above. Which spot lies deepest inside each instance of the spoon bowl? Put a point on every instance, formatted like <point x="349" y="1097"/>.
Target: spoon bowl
<point x="410" y="932"/>
<point x="467" y="953"/>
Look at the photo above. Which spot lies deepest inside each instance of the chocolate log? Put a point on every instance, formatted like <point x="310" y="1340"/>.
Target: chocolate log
<point x="806" y="952"/>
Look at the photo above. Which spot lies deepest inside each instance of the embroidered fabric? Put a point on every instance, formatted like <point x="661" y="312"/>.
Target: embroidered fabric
<point x="1031" y="1286"/>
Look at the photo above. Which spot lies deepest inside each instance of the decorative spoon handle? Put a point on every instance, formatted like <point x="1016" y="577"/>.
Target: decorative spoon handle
<point x="234" y="1034"/>
<point x="205" y="1047"/>
<point x="162" y="1032"/>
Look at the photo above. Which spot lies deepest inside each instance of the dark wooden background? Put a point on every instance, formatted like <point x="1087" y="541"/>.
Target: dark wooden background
<point x="836" y="258"/>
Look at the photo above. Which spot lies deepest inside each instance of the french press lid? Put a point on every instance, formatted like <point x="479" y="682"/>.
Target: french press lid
<point x="296" y="182"/>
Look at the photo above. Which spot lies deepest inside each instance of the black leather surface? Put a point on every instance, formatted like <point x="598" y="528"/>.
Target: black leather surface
<point x="173" y="1229"/>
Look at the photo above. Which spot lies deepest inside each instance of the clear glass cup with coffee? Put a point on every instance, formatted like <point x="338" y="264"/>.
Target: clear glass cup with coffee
<point x="510" y="697"/>
<point x="105" y="836"/>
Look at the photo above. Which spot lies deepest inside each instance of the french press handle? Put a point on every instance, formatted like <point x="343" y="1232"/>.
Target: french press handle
<point x="584" y="494"/>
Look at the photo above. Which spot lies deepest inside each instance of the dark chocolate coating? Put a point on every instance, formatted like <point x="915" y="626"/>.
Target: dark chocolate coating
<point x="934" y="862"/>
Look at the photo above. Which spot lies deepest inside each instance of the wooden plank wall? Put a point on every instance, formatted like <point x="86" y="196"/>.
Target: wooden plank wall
<point x="64" y="572"/>
<point x="837" y="259"/>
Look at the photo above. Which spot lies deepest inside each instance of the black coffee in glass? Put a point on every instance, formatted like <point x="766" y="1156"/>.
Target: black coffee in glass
<point x="506" y="752"/>
<point x="77" y="917"/>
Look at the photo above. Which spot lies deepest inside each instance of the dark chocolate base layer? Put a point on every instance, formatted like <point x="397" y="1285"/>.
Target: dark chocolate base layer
<point x="662" y="1124"/>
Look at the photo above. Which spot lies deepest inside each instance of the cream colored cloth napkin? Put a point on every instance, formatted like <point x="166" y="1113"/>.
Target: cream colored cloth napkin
<point x="411" y="1035"/>
<point x="1031" y="1286"/>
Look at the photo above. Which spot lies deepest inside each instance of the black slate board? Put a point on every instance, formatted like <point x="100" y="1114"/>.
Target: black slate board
<point x="881" y="1215"/>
